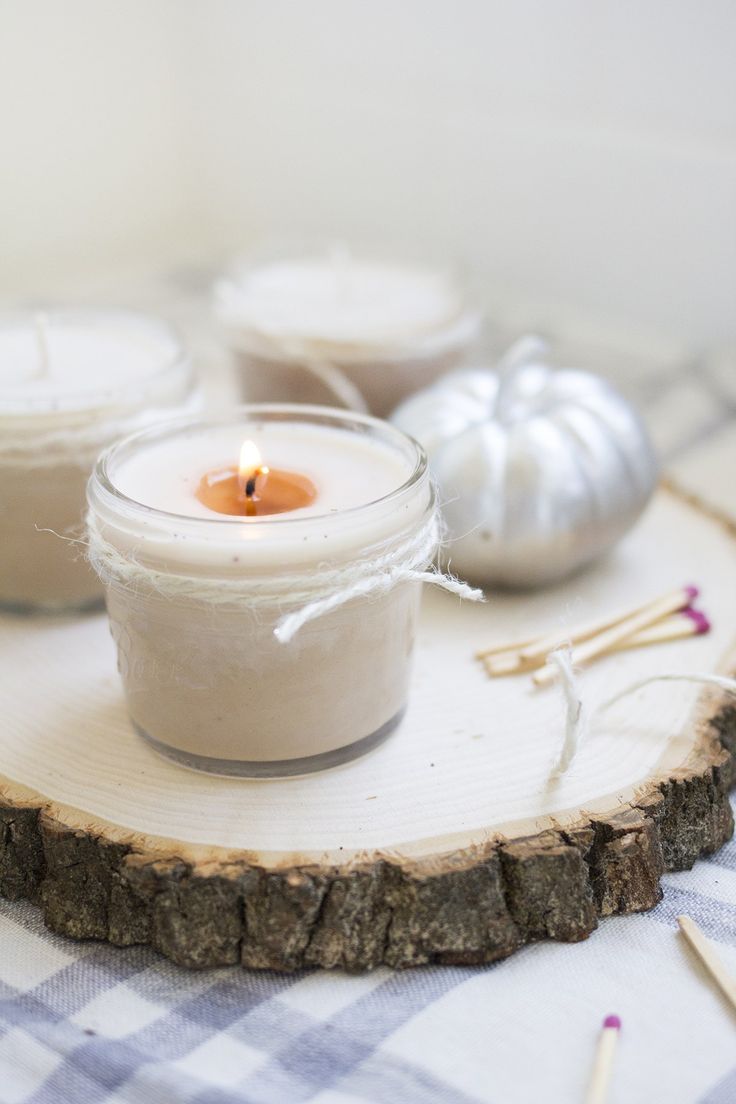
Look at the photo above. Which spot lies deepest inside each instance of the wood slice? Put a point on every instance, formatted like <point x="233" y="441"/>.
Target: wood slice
<point x="450" y="843"/>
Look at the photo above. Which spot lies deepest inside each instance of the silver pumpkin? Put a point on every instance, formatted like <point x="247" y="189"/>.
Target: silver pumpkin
<point x="539" y="470"/>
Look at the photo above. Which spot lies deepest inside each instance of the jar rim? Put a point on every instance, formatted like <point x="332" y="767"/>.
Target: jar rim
<point x="458" y="326"/>
<point x="174" y="359"/>
<point x="268" y="412"/>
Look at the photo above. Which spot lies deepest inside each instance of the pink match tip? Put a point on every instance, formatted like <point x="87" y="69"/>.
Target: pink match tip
<point x="612" y="1021"/>
<point x="701" y="622"/>
<point x="692" y="592"/>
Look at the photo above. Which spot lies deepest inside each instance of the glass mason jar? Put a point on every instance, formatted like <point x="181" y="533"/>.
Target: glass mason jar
<point x="197" y="603"/>
<point x="70" y="383"/>
<point x="314" y="323"/>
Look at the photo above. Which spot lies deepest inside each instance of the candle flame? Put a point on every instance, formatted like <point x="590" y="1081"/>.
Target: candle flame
<point x="250" y="467"/>
<point x="250" y="460"/>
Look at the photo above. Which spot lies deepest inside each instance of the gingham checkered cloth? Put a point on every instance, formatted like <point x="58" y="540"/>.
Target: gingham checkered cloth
<point x="89" y="1023"/>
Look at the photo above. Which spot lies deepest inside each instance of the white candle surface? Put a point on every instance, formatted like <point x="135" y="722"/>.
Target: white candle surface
<point x="67" y="361"/>
<point x="346" y="469"/>
<point x="362" y="332"/>
<point x="349" y="471"/>
<point x="345" y="301"/>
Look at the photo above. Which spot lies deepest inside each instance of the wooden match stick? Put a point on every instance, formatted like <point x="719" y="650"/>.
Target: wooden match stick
<point x="705" y="951"/>
<point x="545" y="644"/>
<point x="496" y="649"/>
<point x="540" y="646"/>
<point x="603" y="1064"/>
<point x="509" y="663"/>
<point x="687" y="622"/>
<point x="604" y="641"/>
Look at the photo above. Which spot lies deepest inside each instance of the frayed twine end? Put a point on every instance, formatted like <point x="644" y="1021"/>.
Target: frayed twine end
<point x="578" y="721"/>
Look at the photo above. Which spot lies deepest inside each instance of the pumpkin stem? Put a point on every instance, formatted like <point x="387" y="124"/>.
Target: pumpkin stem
<point x="522" y="353"/>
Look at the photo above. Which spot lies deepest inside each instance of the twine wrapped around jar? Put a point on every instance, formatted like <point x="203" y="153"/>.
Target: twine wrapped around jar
<point x="80" y="443"/>
<point x="309" y="595"/>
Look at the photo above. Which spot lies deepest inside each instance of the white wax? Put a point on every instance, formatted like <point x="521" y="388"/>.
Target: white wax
<point x="359" y="503"/>
<point x="71" y="383"/>
<point x="80" y="361"/>
<point x="347" y="469"/>
<point x="340" y="299"/>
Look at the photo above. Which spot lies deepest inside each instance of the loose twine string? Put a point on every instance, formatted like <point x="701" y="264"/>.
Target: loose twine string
<point x="314" y="594"/>
<point x="578" y="719"/>
<point x="333" y="378"/>
<point x="78" y="446"/>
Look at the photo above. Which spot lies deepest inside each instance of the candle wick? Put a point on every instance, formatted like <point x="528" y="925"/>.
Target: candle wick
<point x="251" y="483"/>
<point x="41" y="326"/>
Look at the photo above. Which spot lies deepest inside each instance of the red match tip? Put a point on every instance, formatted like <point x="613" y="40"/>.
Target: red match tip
<point x="612" y="1021"/>
<point x="692" y="592"/>
<point x="701" y="622"/>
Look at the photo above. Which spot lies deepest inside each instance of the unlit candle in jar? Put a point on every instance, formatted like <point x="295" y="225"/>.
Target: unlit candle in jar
<point x="343" y="301"/>
<point x="387" y="327"/>
<point x="78" y="361"/>
<point x="70" y="382"/>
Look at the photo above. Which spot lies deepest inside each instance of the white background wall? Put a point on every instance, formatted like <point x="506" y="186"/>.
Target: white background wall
<point x="579" y="154"/>
<point x="94" y="145"/>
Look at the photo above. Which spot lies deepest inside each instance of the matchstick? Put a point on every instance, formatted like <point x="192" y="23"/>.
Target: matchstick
<point x="509" y="663"/>
<point x="540" y="646"/>
<point x="706" y="953"/>
<point x="687" y="622"/>
<point x="545" y="644"/>
<point x="603" y="1064"/>
<point x="604" y="641"/>
<point x="514" y="647"/>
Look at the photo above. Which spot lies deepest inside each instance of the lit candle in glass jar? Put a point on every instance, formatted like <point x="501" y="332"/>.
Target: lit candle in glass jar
<point x="264" y="611"/>
<point x="70" y="383"/>
<point x="353" y="329"/>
